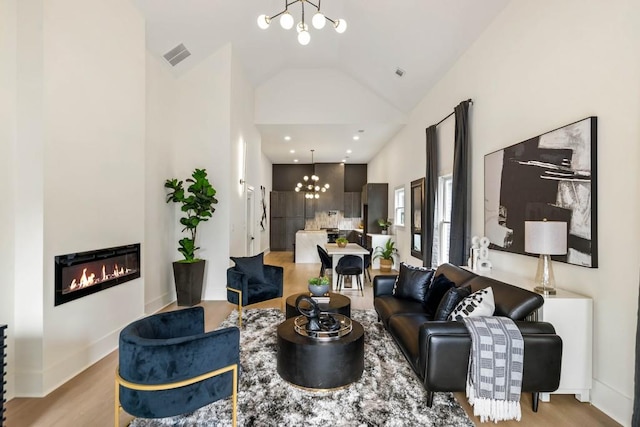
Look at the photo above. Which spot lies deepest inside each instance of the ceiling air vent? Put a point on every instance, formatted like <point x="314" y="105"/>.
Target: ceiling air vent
<point x="176" y="55"/>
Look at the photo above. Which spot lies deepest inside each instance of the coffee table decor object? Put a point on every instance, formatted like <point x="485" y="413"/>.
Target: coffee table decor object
<point x="318" y="286"/>
<point x="330" y="303"/>
<point x="318" y="325"/>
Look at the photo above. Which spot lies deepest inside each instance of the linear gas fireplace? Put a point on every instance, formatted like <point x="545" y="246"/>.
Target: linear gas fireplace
<point x="84" y="273"/>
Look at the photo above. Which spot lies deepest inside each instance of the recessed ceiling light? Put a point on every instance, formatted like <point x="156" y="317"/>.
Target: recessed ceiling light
<point x="295" y="160"/>
<point x="348" y="151"/>
<point x="292" y="151"/>
<point x="356" y="137"/>
<point x="287" y="138"/>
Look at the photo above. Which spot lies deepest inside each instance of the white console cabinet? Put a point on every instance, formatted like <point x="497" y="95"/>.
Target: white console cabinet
<point x="572" y="317"/>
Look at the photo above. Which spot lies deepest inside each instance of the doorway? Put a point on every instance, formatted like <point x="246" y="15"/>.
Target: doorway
<point x="250" y="223"/>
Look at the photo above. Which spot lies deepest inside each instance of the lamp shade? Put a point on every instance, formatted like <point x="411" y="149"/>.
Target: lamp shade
<point x="545" y="237"/>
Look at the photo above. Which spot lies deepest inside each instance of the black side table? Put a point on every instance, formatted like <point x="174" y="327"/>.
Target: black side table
<point x="337" y="304"/>
<point x="317" y="364"/>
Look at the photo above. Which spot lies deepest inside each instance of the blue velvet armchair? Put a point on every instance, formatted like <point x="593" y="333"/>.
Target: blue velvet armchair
<point x="251" y="281"/>
<point x="169" y="366"/>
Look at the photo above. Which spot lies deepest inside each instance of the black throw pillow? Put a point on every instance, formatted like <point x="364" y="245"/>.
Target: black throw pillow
<point x="450" y="300"/>
<point x="252" y="266"/>
<point x="412" y="282"/>
<point x="436" y="291"/>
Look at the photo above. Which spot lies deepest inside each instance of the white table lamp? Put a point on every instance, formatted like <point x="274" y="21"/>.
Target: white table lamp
<point x="545" y="238"/>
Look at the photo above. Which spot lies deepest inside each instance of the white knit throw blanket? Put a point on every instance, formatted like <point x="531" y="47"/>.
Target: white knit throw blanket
<point x="494" y="380"/>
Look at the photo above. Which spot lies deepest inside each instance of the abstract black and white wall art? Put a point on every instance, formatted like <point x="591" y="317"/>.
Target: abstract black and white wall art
<point x="551" y="176"/>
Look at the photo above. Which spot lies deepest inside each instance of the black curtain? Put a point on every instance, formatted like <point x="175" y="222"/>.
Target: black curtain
<point x="461" y="198"/>
<point x="431" y="188"/>
<point x="635" y="420"/>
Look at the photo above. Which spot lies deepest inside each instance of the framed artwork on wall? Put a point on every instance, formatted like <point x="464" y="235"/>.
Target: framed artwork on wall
<point x="551" y="176"/>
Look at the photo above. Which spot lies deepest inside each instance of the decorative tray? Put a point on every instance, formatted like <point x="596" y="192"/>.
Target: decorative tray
<point x="300" y="326"/>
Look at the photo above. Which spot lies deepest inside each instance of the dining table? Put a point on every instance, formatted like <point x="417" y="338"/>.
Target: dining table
<point x="336" y="252"/>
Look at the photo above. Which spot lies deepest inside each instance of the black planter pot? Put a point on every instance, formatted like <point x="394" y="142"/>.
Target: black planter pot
<point x="189" y="278"/>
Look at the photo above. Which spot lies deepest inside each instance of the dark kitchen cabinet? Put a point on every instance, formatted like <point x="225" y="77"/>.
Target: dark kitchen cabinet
<point x="294" y="204"/>
<point x="277" y="234"/>
<point x="287" y="217"/>
<point x="278" y="204"/>
<point x="375" y="203"/>
<point x="291" y="228"/>
<point x="333" y="198"/>
<point x="310" y="208"/>
<point x="352" y="204"/>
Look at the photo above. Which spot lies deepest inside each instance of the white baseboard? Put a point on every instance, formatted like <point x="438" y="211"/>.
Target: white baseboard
<point x="612" y="403"/>
<point x="159" y="303"/>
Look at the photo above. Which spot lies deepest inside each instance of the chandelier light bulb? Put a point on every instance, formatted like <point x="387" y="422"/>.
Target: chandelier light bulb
<point x="324" y="189"/>
<point x="326" y="186"/>
<point x="304" y="38"/>
<point x="340" y="25"/>
<point x="318" y="21"/>
<point x="317" y="196"/>
<point x="301" y="27"/>
<point x="297" y="189"/>
<point x="299" y="185"/>
<point x="306" y="178"/>
<point x="317" y="188"/>
<point x="264" y="21"/>
<point x="286" y="21"/>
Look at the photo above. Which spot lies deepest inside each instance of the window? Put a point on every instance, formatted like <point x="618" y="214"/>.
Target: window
<point x="399" y="206"/>
<point x="443" y="219"/>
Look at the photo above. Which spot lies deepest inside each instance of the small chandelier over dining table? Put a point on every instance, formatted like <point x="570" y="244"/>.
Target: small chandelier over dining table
<point x="311" y="185"/>
<point x="318" y="20"/>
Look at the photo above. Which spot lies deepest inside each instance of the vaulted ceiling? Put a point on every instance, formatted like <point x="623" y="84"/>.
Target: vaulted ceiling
<point x="422" y="37"/>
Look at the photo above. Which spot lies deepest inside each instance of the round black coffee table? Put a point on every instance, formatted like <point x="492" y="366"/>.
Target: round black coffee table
<point x="337" y="304"/>
<point x="317" y="364"/>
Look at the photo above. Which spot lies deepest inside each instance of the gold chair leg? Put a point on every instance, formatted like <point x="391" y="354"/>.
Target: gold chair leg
<point x="239" y="292"/>
<point x="117" y="405"/>
<point x="234" y="397"/>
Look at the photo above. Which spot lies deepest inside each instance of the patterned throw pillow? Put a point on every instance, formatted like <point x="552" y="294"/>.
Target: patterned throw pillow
<point x="479" y="303"/>
<point x="412" y="282"/>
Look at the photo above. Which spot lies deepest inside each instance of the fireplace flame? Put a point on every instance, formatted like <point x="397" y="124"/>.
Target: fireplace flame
<point x="88" y="280"/>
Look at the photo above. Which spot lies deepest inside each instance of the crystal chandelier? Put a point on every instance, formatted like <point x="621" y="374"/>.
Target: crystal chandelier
<point x="318" y="20"/>
<point x="311" y="187"/>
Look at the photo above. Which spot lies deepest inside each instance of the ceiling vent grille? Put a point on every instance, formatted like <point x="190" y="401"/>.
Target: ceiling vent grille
<point x="176" y="55"/>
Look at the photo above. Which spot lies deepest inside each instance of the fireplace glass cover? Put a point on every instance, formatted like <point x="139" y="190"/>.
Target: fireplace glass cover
<point x="84" y="273"/>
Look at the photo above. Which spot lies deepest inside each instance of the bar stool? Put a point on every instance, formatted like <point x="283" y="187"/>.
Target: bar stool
<point x="349" y="265"/>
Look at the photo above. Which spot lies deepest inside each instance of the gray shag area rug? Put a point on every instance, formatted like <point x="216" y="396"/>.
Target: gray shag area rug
<point x="388" y="394"/>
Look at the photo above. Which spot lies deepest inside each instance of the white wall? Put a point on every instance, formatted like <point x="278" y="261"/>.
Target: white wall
<point x="8" y="20"/>
<point x="542" y="65"/>
<point x="201" y="139"/>
<point x="160" y="217"/>
<point x="80" y="151"/>
<point x="246" y="150"/>
<point x="321" y="96"/>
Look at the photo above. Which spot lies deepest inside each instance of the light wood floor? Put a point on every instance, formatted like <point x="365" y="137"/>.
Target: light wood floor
<point x="87" y="399"/>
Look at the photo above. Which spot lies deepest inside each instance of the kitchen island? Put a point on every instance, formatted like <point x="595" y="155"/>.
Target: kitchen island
<point x="306" y="245"/>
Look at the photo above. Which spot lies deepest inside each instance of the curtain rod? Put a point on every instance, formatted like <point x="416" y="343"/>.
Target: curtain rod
<point x="452" y="113"/>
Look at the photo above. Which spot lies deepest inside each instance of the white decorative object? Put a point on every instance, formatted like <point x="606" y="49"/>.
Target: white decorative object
<point x="479" y="256"/>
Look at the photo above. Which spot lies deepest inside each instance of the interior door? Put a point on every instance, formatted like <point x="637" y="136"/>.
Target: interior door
<point x="250" y="222"/>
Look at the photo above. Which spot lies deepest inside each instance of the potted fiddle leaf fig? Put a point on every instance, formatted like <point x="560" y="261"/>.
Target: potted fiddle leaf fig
<point x="197" y="206"/>
<point x="386" y="255"/>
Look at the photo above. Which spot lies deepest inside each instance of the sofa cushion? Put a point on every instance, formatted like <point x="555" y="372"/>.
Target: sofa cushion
<point x="440" y="285"/>
<point x="450" y="300"/>
<point x="252" y="266"/>
<point x="477" y="304"/>
<point x="388" y="306"/>
<point x="412" y="282"/>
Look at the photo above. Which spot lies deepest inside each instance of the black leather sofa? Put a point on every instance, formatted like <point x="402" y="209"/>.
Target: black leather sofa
<point x="438" y="351"/>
